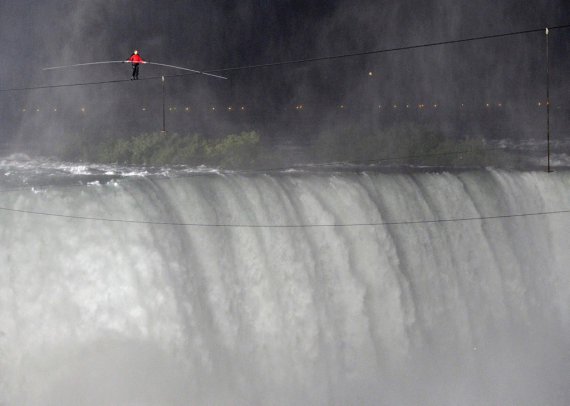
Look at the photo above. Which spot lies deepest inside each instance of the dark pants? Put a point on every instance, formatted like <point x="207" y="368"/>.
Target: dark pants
<point x="135" y="71"/>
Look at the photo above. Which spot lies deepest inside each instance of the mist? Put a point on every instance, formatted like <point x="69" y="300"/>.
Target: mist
<point x="489" y="87"/>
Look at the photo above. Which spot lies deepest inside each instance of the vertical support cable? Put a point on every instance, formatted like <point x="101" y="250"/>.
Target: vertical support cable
<point x="547" y="102"/>
<point x="163" y="106"/>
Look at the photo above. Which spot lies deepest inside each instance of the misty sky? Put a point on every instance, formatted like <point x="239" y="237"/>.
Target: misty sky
<point x="213" y="34"/>
<point x="209" y="34"/>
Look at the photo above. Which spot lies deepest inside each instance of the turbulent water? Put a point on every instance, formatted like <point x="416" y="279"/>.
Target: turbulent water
<point x="178" y="307"/>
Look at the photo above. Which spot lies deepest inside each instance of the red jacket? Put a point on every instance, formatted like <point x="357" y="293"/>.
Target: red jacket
<point x="136" y="58"/>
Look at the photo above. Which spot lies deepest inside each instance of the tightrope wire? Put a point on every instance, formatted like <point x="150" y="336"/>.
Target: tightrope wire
<point x="384" y="50"/>
<point x="289" y="226"/>
<point x="305" y="60"/>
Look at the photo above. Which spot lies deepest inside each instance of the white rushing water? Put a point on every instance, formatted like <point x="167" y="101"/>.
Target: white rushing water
<point x="109" y="313"/>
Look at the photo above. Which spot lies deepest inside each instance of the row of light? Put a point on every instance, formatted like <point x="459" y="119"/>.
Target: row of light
<point x="423" y="106"/>
<point x="82" y="109"/>
<point x="188" y="109"/>
<point x="302" y="106"/>
<point x="212" y="108"/>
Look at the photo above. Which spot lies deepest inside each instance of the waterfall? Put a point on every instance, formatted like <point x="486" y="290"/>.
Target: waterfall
<point x="375" y="310"/>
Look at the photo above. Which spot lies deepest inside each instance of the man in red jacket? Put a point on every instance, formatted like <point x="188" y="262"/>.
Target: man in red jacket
<point x="135" y="59"/>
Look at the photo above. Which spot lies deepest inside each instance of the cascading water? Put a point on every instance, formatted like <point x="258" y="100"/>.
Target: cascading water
<point x="468" y="312"/>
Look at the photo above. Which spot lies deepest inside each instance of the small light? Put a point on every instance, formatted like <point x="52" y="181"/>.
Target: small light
<point x="54" y="109"/>
<point x="395" y="106"/>
<point x="83" y="109"/>
<point x="230" y="108"/>
<point x="369" y="73"/>
<point x="487" y="105"/>
<point x="435" y="106"/>
<point x="407" y="106"/>
<point x="242" y="108"/>
<point x="23" y="110"/>
<point x="500" y="104"/>
<point x="342" y="106"/>
<point x="379" y="106"/>
<point x="187" y="109"/>
<point x="144" y="109"/>
<point x="213" y="109"/>
<point x="539" y="104"/>
<point x="37" y="109"/>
